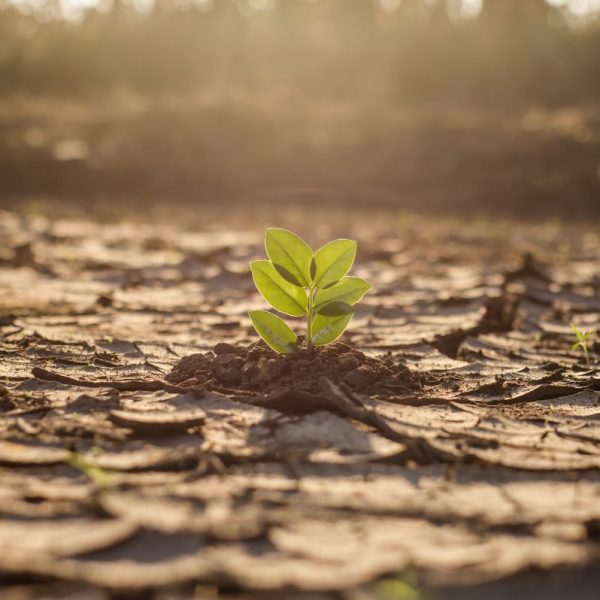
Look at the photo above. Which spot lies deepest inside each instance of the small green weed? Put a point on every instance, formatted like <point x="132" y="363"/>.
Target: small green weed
<point x="97" y="474"/>
<point x="301" y="283"/>
<point x="583" y="338"/>
<point x="403" y="587"/>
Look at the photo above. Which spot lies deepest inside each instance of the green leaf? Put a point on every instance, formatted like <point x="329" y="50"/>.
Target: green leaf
<point x="349" y="291"/>
<point x="274" y="331"/>
<point x="335" y="309"/>
<point x="287" y="275"/>
<point x="576" y="331"/>
<point x="333" y="261"/>
<point x="97" y="474"/>
<point x="328" y="329"/>
<point x="280" y="294"/>
<point x="575" y="346"/>
<point x="290" y="252"/>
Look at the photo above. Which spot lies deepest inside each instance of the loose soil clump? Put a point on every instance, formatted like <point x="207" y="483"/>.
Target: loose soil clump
<point x="257" y="369"/>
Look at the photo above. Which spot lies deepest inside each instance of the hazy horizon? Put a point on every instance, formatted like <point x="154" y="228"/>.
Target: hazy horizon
<point x="464" y="9"/>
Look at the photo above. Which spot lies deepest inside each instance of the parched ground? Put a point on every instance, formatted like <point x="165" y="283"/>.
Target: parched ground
<point x="476" y="475"/>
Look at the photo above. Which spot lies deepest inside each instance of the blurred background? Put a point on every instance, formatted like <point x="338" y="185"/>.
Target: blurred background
<point x="441" y="106"/>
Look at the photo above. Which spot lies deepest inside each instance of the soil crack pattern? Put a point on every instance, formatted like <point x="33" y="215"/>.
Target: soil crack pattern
<point x="447" y="444"/>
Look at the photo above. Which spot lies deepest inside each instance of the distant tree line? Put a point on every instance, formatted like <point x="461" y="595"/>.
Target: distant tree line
<point x="512" y="51"/>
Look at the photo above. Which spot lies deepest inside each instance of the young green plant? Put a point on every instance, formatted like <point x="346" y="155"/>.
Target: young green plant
<point x="97" y="474"/>
<point x="301" y="283"/>
<point x="583" y="338"/>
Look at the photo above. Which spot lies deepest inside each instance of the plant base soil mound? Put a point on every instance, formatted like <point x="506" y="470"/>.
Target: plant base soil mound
<point x="257" y="369"/>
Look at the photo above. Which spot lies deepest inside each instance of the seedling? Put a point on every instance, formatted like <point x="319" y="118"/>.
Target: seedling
<point x="301" y="283"/>
<point x="583" y="337"/>
<point x="97" y="474"/>
<point x="396" y="589"/>
<point x="404" y="586"/>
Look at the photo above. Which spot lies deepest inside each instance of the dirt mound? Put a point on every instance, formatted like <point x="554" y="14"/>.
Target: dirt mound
<point x="257" y="369"/>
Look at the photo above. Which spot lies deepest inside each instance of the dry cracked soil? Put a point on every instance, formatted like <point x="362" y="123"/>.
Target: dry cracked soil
<point x="448" y="446"/>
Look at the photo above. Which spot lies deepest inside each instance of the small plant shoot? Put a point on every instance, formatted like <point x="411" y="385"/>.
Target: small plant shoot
<point x="583" y="339"/>
<point x="97" y="474"/>
<point x="301" y="283"/>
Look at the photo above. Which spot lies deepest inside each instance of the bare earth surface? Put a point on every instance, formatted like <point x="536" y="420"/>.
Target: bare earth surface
<point x="449" y="449"/>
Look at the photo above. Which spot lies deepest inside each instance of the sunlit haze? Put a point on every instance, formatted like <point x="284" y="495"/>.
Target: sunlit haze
<point x="74" y="9"/>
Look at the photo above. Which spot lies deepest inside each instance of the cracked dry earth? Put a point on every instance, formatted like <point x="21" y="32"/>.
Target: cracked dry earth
<point x="452" y="438"/>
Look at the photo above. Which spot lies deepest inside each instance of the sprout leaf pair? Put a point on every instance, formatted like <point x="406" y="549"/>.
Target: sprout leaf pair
<point x="583" y="338"/>
<point x="299" y="282"/>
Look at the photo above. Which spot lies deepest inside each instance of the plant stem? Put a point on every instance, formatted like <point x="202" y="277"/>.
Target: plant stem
<point x="309" y="318"/>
